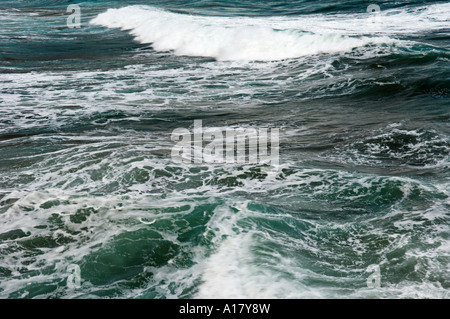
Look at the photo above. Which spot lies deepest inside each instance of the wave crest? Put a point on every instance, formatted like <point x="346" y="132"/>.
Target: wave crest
<point x="226" y="39"/>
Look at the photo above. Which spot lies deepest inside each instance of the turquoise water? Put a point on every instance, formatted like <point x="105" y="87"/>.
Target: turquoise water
<point x="87" y="179"/>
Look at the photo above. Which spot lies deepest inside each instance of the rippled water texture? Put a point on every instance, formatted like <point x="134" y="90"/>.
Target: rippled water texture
<point x="87" y="181"/>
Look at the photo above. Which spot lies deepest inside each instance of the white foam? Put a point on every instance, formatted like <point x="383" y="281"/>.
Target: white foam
<point x="404" y="21"/>
<point x="228" y="39"/>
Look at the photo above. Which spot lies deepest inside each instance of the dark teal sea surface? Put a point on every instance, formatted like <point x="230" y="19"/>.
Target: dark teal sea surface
<point x="87" y="182"/>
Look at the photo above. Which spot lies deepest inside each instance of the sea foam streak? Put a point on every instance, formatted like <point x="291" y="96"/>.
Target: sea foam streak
<point x="228" y="39"/>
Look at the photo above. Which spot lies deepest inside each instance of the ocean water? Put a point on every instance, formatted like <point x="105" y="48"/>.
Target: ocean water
<point x="361" y="100"/>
